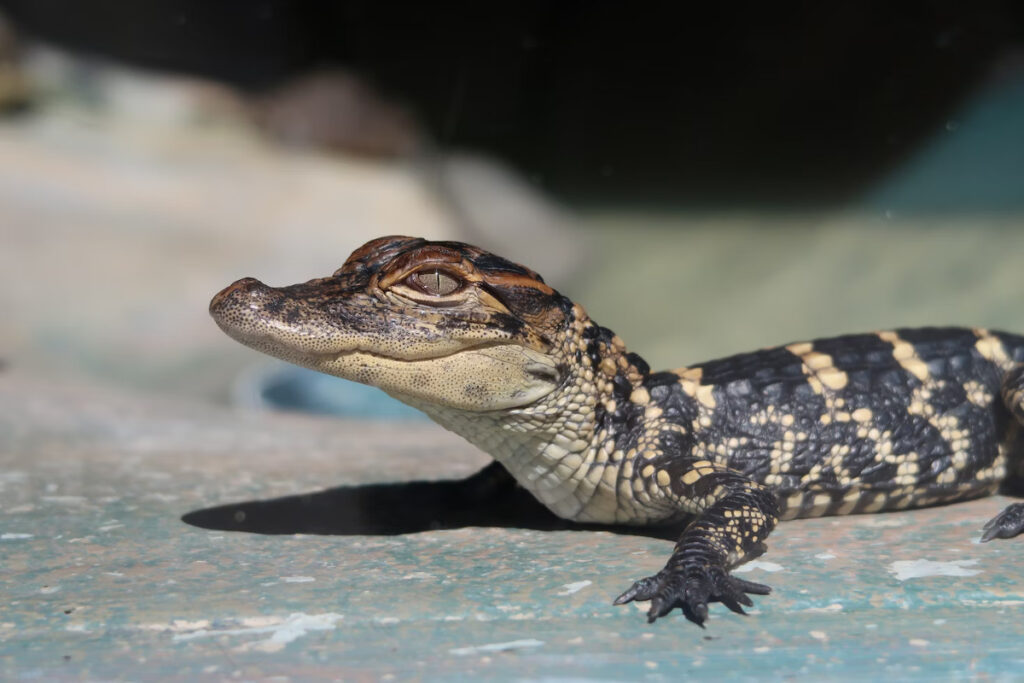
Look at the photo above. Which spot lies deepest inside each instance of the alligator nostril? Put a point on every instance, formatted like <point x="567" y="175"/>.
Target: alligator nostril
<point x="244" y="286"/>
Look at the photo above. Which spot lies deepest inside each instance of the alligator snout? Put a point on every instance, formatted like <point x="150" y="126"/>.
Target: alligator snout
<point x="235" y="293"/>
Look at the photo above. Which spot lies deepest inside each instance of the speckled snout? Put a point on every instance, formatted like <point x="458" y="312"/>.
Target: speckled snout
<point x="235" y="293"/>
<point x="247" y="309"/>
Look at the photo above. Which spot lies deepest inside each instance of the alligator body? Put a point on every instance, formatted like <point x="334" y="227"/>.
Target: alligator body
<point x="852" y="424"/>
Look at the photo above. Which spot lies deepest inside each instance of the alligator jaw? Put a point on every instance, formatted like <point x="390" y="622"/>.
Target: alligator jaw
<point x="478" y="379"/>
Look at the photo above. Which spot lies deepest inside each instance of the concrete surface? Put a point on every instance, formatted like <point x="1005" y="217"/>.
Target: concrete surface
<point x="104" y="580"/>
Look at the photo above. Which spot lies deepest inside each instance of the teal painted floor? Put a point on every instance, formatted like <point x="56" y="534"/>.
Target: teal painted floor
<point x="102" y="579"/>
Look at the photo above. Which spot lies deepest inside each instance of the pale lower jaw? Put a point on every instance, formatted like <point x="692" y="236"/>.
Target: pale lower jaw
<point x="480" y="379"/>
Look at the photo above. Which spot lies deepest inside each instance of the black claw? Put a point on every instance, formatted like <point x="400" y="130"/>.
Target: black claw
<point x="691" y="589"/>
<point x="751" y="587"/>
<point x="644" y="589"/>
<point x="734" y="599"/>
<point x="733" y="604"/>
<point x="695" y="614"/>
<point x="1007" y="524"/>
<point x="659" y="608"/>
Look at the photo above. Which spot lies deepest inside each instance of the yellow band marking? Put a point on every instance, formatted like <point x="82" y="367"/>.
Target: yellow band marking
<point x="862" y="415"/>
<point x="991" y="349"/>
<point x="820" y="369"/>
<point x="903" y="353"/>
<point x="833" y="378"/>
<point x="690" y="374"/>
<point x="689" y="379"/>
<point x="640" y="396"/>
<point x="705" y="396"/>
<point x="691" y="477"/>
<point x="816" y="360"/>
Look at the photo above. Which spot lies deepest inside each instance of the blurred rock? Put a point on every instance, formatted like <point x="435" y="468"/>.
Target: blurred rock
<point x="334" y="110"/>
<point x="14" y="87"/>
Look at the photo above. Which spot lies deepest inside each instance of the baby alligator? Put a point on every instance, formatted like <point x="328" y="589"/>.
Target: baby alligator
<point x="852" y="424"/>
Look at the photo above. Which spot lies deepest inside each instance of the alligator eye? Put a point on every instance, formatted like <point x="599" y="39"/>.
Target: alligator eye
<point x="434" y="282"/>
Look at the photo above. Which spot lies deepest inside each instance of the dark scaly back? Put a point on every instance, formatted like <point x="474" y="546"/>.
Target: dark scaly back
<point x="863" y="422"/>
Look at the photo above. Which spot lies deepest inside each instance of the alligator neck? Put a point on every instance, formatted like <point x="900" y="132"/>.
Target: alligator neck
<point x="575" y="447"/>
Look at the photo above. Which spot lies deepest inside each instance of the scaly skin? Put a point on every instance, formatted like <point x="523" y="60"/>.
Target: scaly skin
<point x="859" y="423"/>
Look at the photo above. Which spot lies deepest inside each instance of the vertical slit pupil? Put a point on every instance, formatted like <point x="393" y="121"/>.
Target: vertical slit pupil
<point x="436" y="282"/>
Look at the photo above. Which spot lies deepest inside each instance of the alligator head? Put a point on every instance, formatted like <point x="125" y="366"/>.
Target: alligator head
<point x="440" y="323"/>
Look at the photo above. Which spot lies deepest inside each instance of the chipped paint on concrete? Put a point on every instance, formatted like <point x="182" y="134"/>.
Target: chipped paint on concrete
<point x="829" y="609"/>
<point x="759" y="564"/>
<point x="882" y="521"/>
<point x="574" y="587"/>
<point x="177" y="626"/>
<point x="904" y="570"/>
<point x="497" y="647"/>
<point x="282" y="631"/>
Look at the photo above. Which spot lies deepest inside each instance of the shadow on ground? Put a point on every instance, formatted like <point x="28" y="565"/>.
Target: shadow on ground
<point x="400" y="508"/>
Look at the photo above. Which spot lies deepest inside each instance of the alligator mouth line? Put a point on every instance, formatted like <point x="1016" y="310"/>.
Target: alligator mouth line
<point x="553" y="374"/>
<point x="269" y="340"/>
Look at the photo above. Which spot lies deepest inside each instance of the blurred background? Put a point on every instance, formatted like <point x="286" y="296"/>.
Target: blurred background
<point x="703" y="181"/>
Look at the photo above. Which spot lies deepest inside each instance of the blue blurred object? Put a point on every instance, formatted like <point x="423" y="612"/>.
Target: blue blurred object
<point x="286" y="387"/>
<point x="974" y="163"/>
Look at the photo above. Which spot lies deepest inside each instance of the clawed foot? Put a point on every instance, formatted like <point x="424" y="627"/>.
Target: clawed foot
<point x="691" y="589"/>
<point x="1006" y="524"/>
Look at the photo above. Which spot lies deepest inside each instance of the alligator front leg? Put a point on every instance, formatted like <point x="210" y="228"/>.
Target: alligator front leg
<point x="1010" y="522"/>
<point x="738" y="516"/>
